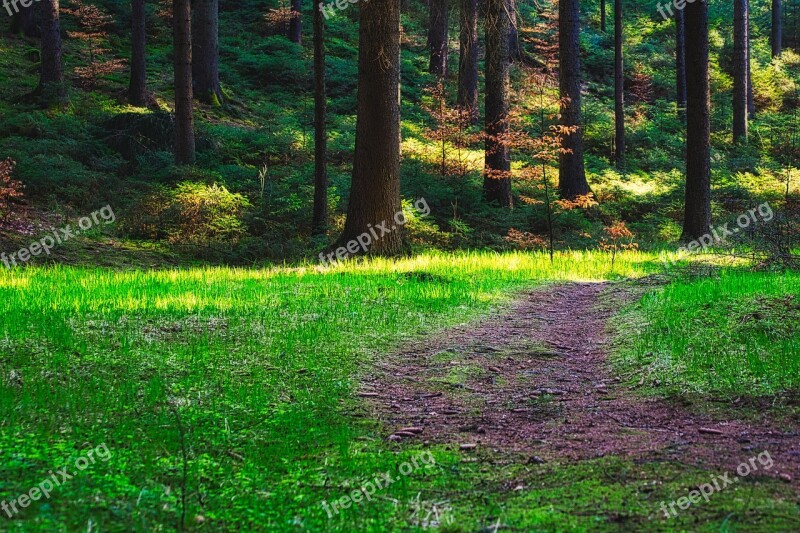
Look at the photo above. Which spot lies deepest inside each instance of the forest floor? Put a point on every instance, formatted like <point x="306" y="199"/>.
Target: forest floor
<point x="537" y="383"/>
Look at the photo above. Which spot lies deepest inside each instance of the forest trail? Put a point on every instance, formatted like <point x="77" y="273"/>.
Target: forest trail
<point x="536" y="381"/>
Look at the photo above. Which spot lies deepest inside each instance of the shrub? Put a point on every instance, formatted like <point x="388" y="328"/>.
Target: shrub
<point x="10" y="189"/>
<point x="191" y="214"/>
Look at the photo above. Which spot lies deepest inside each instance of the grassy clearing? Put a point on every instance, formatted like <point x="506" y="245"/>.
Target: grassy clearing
<point x="738" y="332"/>
<point x="245" y="377"/>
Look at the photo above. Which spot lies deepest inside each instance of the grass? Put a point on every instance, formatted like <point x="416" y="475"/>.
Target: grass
<point x="226" y="400"/>
<point x="251" y="371"/>
<point x="738" y="331"/>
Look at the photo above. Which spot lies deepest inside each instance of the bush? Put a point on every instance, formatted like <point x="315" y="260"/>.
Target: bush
<point x="191" y="214"/>
<point x="10" y="189"/>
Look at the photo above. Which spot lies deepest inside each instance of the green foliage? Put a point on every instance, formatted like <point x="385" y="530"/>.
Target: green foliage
<point x="190" y="214"/>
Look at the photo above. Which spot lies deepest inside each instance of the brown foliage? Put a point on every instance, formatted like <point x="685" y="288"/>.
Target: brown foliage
<point x="94" y="24"/>
<point x="10" y="189"/>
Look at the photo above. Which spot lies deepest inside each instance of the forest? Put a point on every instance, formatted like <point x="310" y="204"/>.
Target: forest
<point x="400" y="265"/>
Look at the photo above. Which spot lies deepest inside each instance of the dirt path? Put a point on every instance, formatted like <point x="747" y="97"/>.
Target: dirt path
<point x="536" y="381"/>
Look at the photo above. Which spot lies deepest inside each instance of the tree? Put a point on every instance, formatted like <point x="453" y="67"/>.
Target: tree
<point x="205" y="52"/>
<point x="437" y="37"/>
<point x="295" y="33"/>
<point x="375" y="190"/>
<point x="52" y="73"/>
<point x="319" y="222"/>
<point x="776" y="37"/>
<point x="571" y="174"/>
<point x="680" y="63"/>
<point x="23" y="22"/>
<point x="619" y="86"/>
<point x="697" y="216"/>
<point x="137" y="91"/>
<point x="497" y="172"/>
<point x="468" y="58"/>
<point x="751" y="106"/>
<point x="740" y="70"/>
<point x="184" y="119"/>
<point x="603" y="16"/>
<point x="514" y="50"/>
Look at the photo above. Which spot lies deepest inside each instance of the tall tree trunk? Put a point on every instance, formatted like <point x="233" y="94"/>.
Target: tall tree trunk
<point x="751" y="105"/>
<point x="777" y="28"/>
<point x="468" y="58"/>
<point x="182" y="51"/>
<point x="697" y="217"/>
<point x="23" y="22"/>
<point x="375" y="191"/>
<point x="680" y="63"/>
<point x="137" y="90"/>
<point x="514" y="50"/>
<point x="740" y="70"/>
<point x="603" y="16"/>
<point x="319" y="223"/>
<point x="52" y="72"/>
<point x="205" y="52"/>
<point x="437" y="37"/>
<point x="295" y="33"/>
<point x="497" y="180"/>
<point x="571" y="173"/>
<point x="619" y="85"/>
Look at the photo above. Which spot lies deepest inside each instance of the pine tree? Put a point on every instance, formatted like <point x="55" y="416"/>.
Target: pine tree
<point x="571" y="174"/>
<point x="184" y="116"/>
<point x="205" y="52"/>
<point x="697" y="216"/>
<point x="497" y="172"/>
<point x="375" y="190"/>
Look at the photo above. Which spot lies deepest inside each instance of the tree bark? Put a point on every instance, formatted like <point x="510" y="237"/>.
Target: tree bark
<point x="603" y="16"/>
<point x="51" y="71"/>
<point x="295" y="33"/>
<point x="23" y="22"/>
<point x="375" y="191"/>
<point x="514" y="51"/>
<point x="468" y="58"/>
<point x="182" y="51"/>
<point x="680" y="63"/>
<point x="777" y="28"/>
<point x="571" y="173"/>
<point x="137" y="90"/>
<point x="751" y="105"/>
<point x="205" y="52"/>
<point x="437" y="37"/>
<point x="619" y="85"/>
<point x="497" y="180"/>
<point x="740" y="70"/>
<point x="697" y="217"/>
<point x="319" y="223"/>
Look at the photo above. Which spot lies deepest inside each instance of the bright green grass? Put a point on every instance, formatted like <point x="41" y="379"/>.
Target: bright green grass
<point x="735" y="333"/>
<point x="259" y="367"/>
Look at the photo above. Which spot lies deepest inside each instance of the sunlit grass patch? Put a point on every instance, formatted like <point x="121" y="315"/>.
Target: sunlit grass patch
<point x="250" y="371"/>
<point x="738" y="332"/>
